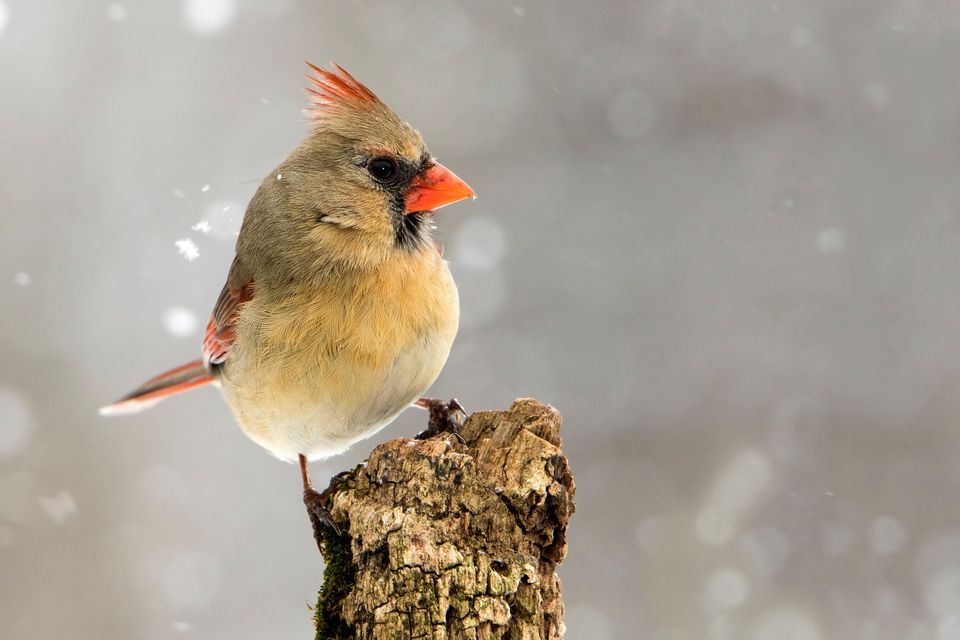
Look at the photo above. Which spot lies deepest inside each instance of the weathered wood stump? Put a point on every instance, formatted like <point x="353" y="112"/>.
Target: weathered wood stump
<point x="447" y="538"/>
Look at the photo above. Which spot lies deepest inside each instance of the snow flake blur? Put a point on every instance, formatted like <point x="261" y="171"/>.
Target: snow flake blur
<point x="207" y="17"/>
<point x="188" y="249"/>
<point x="180" y="321"/>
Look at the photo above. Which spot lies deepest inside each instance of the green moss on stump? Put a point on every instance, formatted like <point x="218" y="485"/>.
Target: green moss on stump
<point x="339" y="577"/>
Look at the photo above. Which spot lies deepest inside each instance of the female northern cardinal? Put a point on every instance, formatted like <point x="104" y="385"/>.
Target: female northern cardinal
<point x="338" y="310"/>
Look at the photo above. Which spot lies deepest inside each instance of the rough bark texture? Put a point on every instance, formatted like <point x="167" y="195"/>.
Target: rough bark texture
<point x="444" y="539"/>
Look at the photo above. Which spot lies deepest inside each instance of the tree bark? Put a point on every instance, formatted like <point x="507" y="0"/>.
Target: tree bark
<point x="451" y="538"/>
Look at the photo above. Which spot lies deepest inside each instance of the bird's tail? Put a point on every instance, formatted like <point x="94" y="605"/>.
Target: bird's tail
<point x="187" y="376"/>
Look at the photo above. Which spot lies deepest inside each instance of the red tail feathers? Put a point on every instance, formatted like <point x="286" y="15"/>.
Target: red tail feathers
<point x="187" y="376"/>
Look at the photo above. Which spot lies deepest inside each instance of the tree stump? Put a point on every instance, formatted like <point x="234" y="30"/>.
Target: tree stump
<point x="451" y="538"/>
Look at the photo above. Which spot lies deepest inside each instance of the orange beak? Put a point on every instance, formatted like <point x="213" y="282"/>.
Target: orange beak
<point x="434" y="188"/>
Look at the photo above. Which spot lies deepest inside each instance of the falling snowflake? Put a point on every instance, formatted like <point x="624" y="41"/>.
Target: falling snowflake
<point x="203" y="226"/>
<point x="188" y="249"/>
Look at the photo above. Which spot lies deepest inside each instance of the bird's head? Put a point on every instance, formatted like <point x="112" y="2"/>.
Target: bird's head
<point x="363" y="182"/>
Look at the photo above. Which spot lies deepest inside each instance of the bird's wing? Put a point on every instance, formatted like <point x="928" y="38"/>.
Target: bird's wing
<point x="221" y="329"/>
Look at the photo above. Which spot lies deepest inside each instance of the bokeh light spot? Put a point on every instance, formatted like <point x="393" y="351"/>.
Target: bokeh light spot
<point x="180" y="321"/>
<point x="208" y="16"/>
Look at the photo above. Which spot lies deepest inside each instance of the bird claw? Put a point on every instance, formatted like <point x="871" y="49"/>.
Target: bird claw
<point x="320" y="517"/>
<point x="318" y="502"/>
<point x="444" y="417"/>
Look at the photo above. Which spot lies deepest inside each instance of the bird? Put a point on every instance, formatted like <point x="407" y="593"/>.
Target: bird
<point x="339" y="310"/>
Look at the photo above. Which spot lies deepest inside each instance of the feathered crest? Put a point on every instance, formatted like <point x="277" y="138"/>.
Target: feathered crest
<point x="332" y="91"/>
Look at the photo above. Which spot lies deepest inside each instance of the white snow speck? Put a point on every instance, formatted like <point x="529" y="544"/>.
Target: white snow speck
<point x="59" y="507"/>
<point x="279" y="176"/>
<point x="182" y="627"/>
<point x="191" y="579"/>
<point x="206" y="17"/>
<point x="224" y="225"/>
<point x="264" y="101"/>
<point x="205" y="188"/>
<point x="631" y="114"/>
<point x="178" y="193"/>
<point x="519" y="11"/>
<point x="203" y="226"/>
<point x="116" y="12"/>
<point x="831" y="241"/>
<point x="4" y="16"/>
<point x="188" y="249"/>
<point x="22" y="279"/>
<point x="16" y="422"/>
<point x="479" y="244"/>
<point x="180" y="321"/>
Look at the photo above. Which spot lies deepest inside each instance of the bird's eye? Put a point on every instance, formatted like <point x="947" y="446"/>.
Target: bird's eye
<point x="382" y="168"/>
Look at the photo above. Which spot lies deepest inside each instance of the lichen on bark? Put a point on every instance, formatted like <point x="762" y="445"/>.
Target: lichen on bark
<point x="453" y="539"/>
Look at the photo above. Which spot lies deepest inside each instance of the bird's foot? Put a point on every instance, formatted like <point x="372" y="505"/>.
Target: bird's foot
<point x="318" y="503"/>
<point x="444" y="417"/>
<point x="318" y="509"/>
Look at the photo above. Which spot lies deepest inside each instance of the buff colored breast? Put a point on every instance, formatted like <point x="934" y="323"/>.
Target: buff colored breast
<point x="314" y="370"/>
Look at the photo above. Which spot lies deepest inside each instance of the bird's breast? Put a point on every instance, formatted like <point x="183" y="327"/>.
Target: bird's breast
<point x="315" y="368"/>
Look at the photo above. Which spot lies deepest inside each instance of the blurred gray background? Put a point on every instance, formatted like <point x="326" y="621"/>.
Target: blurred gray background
<point x="722" y="238"/>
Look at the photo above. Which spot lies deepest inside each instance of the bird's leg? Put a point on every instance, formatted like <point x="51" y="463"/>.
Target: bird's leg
<point x="317" y="504"/>
<point x="444" y="417"/>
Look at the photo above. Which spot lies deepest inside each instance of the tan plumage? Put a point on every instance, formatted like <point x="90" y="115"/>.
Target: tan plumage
<point x="316" y="367"/>
<point x="339" y="310"/>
